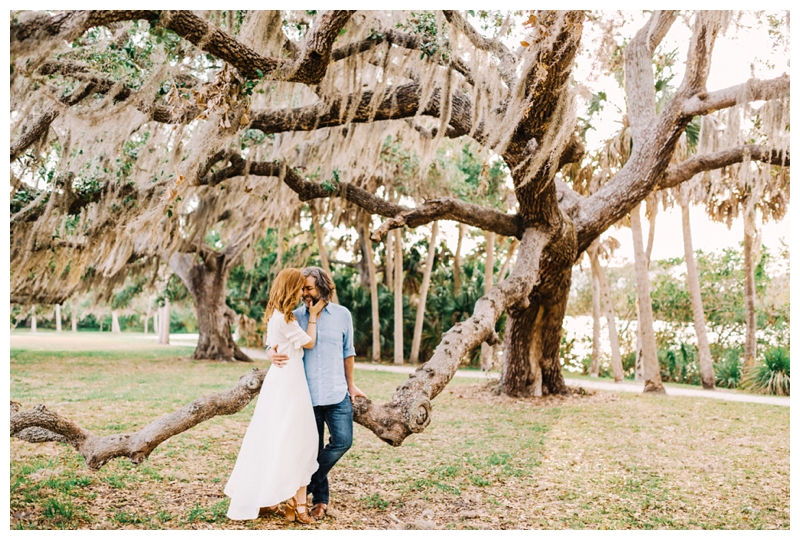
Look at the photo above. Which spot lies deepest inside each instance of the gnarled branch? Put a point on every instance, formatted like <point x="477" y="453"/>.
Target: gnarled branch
<point x="409" y="410"/>
<point x="35" y="424"/>
<point x="434" y="209"/>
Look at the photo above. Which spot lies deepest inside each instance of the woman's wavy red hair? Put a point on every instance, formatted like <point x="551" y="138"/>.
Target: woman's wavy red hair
<point x="286" y="291"/>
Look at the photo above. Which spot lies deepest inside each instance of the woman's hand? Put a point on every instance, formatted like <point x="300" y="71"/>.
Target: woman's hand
<point x="317" y="308"/>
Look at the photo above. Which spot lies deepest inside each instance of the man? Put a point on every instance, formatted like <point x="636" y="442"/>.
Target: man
<point x="329" y="372"/>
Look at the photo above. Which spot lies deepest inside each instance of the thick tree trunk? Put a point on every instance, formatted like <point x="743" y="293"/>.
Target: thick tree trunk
<point x="323" y="253"/>
<point x="423" y="295"/>
<point x="58" y="317"/>
<point x="205" y="280"/>
<point x="487" y="351"/>
<point x="457" y="260"/>
<point x="531" y="364"/>
<point x="608" y="308"/>
<point x="398" y="297"/>
<point x="114" y="322"/>
<point x="652" y="373"/>
<point x="74" y="319"/>
<point x="750" y="249"/>
<point x="703" y="348"/>
<point x="373" y="290"/>
<point x="594" y="368"/>
<point x="33" y="323"/>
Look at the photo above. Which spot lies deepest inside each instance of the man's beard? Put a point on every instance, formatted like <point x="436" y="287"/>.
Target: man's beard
<point x="308" y="300"/>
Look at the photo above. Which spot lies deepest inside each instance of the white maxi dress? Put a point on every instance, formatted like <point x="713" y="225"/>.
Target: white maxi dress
<point x="279" y="450"/>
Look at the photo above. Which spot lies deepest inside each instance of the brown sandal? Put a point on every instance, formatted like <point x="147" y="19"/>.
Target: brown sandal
<point x="319" y="511"/>
<point x="270" y="511"/>
<point x="292" y="514"/>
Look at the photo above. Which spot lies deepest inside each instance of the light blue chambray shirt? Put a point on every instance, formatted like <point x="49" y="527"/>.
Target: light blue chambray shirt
<point x="325" y="362"/>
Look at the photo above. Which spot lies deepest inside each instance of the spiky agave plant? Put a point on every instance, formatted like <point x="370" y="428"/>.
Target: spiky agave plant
<point x="770" y="376"/>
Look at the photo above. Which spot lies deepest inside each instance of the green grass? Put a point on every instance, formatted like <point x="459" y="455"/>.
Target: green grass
<point x="603" y="461"/>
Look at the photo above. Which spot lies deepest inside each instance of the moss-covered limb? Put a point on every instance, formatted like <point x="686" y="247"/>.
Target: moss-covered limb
<point x="399" y="102"/>
<point x="399" y="216"/>
<point x="32" y="425"/>
<point x="685" y="170"/>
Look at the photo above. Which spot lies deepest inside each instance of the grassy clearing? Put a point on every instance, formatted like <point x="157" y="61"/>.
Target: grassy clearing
<point x="486" y="462"/>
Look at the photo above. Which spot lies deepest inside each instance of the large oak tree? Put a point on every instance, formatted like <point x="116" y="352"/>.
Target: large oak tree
<point x="148" y="128"/>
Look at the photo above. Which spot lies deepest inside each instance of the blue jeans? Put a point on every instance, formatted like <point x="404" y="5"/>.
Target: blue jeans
<point x="339" y="418"/>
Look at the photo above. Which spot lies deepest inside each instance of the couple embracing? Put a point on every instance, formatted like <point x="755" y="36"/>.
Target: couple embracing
<point x="309" y="385"/>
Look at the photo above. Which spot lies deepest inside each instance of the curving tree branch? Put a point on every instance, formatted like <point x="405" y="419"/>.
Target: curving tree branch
<point x="434" y="209"/>
<point x="685" y="170"/>
<point x="753" y="90"/>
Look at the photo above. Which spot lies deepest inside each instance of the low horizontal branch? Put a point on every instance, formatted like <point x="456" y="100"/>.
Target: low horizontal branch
<point x="32" y="425"/>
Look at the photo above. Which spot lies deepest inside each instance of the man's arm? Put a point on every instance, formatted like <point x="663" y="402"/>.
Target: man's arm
<point x="348" y="375"/>
<point x="349" y="354"/>
<point x="278" y="360"/>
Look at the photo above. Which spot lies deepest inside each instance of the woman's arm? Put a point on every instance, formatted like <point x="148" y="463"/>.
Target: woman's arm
<point x="312" y="332"/>
<point x="313" y="314"/>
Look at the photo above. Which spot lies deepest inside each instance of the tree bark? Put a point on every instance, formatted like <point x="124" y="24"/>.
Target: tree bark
<point x="398" y="297"/>
<point x="373" y="289"/>
<point x="205" y="279"/>
<point x="33" y="323"/>
<point x="487" y="351"/>
<point x="703" y="348"/>
<point x="114" y="322"/>
<point x="507" y="263"/>
<point x="594" y="368"/>
<point x="74" y="319"/>
<point x="608" y="308"/>
<point x="652" y="373"/>
<point x="531" y="364"/>
<point x="423" y="295"/>
<point x="58" y="317"/>
<point x="750" y="250"/>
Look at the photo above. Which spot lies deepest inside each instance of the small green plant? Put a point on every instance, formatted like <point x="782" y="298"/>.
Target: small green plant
<point x="54" y="508"/>
<point x="729" y="370"/>
<point x="479" y="481"/>
<point x="375" y="501"/>
<point x="771" y="376"/>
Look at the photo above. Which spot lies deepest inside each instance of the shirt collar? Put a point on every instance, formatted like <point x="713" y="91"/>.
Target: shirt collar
<point x="323" y="309"/>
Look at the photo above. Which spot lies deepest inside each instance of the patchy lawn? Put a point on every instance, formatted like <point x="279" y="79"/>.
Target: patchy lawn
<point x="597" y="461"/>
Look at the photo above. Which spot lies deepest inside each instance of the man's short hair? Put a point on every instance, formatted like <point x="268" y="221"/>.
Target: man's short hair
<point x="323" y="279"/>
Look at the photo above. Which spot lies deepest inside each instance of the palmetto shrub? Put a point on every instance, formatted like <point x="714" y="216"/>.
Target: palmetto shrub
<point x="770" y="376"/>
<point x="728" y="371"/>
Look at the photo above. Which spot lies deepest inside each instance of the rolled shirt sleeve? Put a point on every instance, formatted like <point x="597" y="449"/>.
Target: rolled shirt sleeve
<point x="347" y="347"/>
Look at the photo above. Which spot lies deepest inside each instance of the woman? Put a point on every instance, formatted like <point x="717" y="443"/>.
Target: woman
<point x="279" y="450"/>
